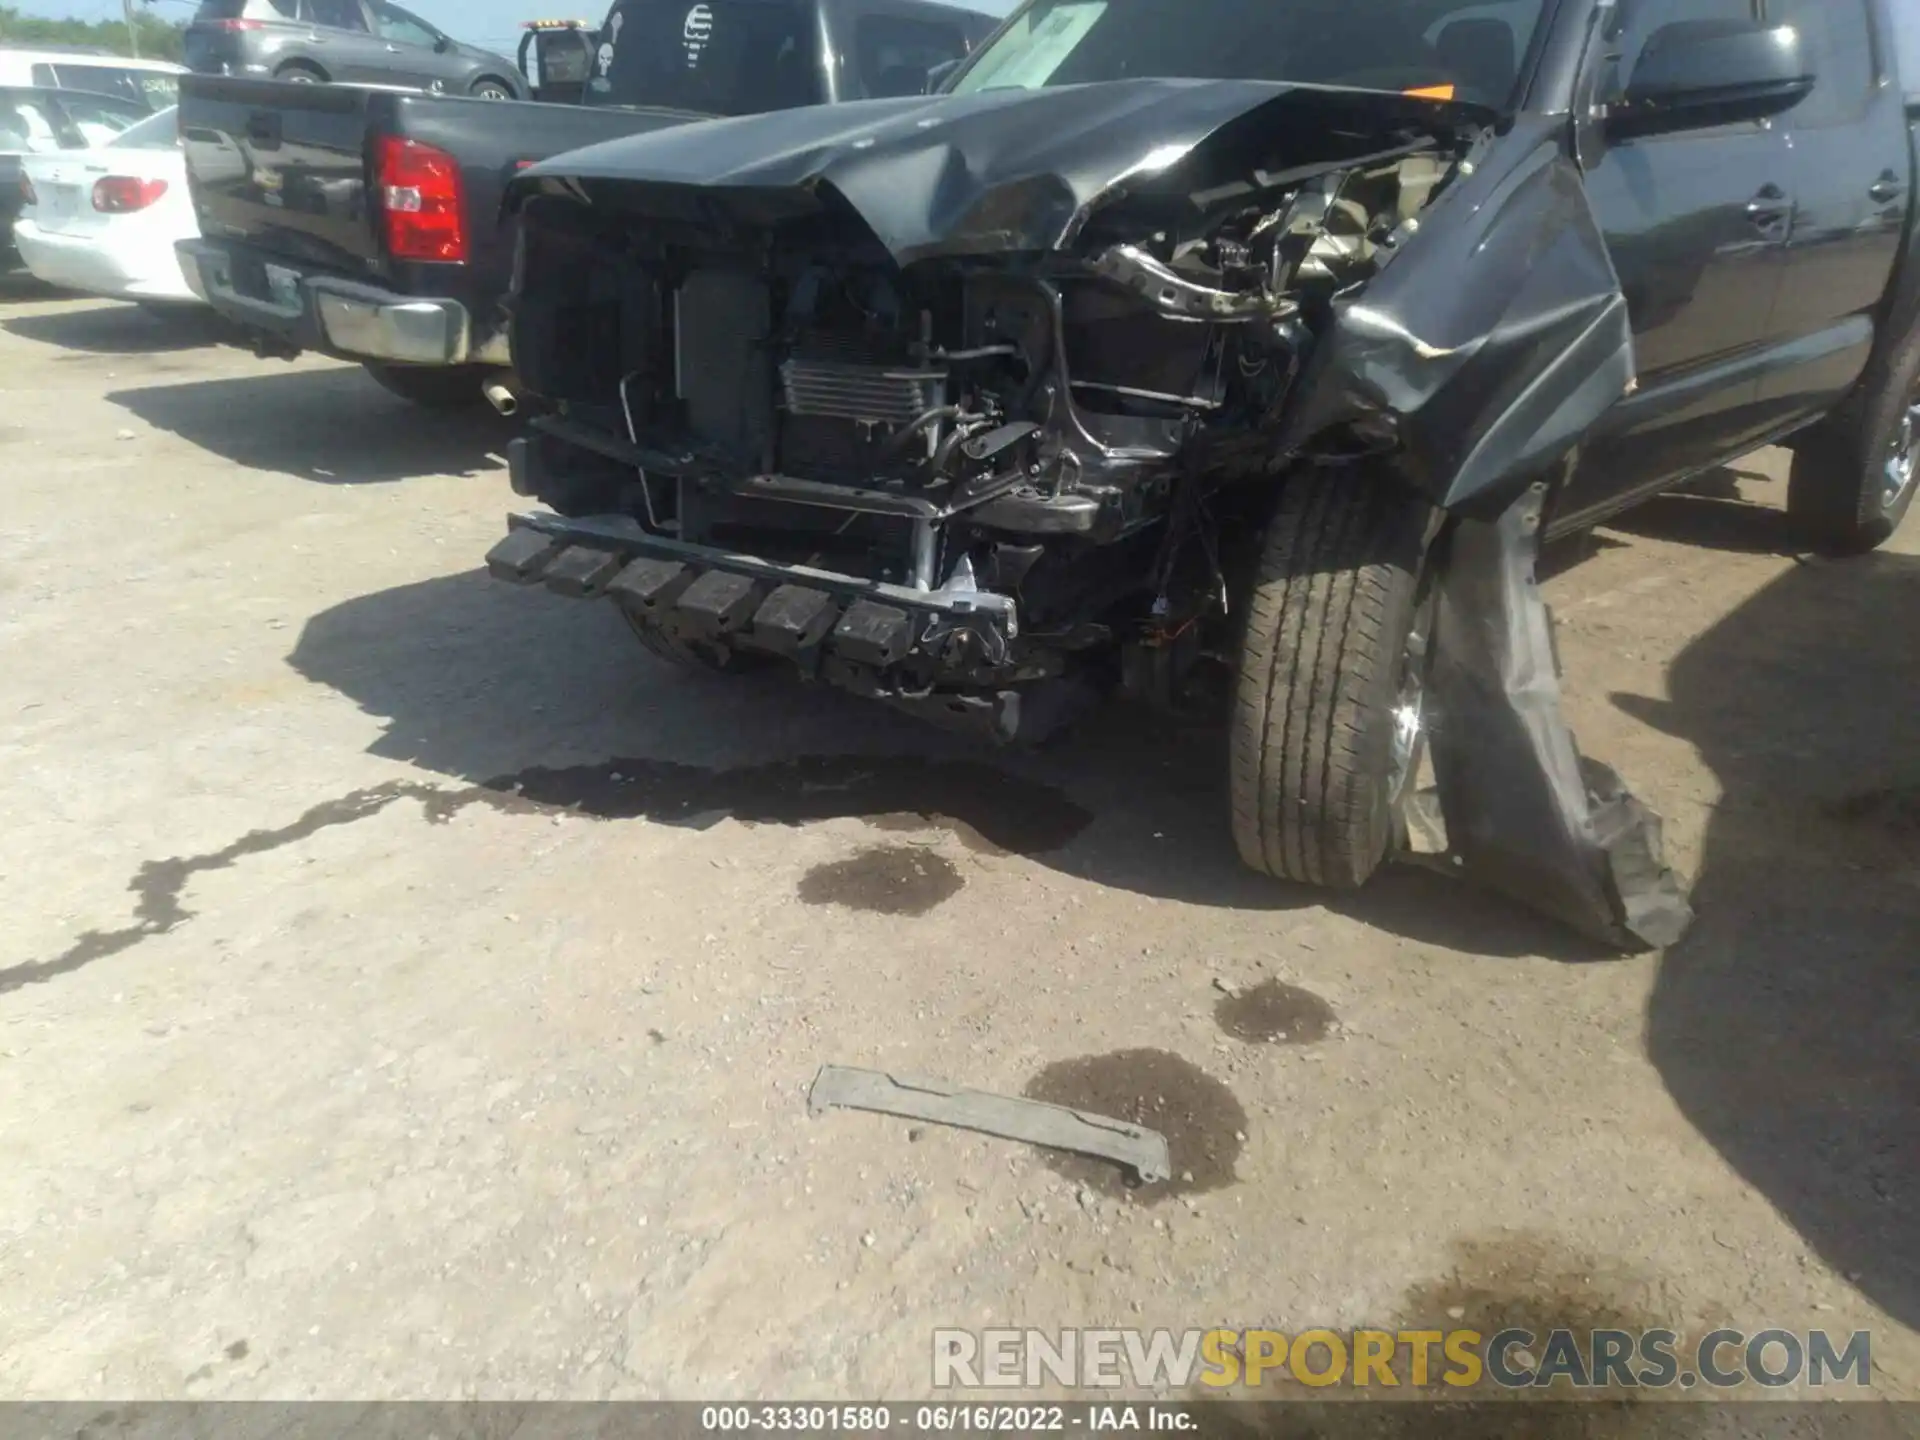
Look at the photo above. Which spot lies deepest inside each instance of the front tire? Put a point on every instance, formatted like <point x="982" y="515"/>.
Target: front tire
<point x="300" y="74"/>
<point x="1855" y="474"/>
<point x="489" y="89"/>
<point x="1327" y="715"/>
<point x="432" y="387"/>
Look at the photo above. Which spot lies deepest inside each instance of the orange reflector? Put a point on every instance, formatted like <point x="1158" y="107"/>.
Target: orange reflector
<point x="1432" y="92"/>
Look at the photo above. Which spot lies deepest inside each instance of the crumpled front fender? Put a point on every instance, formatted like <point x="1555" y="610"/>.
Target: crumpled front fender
<point x="1494" y="338"/>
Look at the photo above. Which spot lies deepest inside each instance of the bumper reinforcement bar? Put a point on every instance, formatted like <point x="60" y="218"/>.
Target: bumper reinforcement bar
<point x="697" y="593"/>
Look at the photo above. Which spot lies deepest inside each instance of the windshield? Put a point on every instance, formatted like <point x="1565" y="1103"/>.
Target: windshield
<point x="715" y="57"/>
<point x="1453" y="49"/>
<point x="156" y="132"/>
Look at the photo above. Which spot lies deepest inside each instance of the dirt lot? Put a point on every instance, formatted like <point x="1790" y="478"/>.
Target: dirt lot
<point x="409" y="989"/>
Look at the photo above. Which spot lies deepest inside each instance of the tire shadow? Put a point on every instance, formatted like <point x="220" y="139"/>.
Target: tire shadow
<point x="332" y="426"/>
<point x="1787" y="1025"/>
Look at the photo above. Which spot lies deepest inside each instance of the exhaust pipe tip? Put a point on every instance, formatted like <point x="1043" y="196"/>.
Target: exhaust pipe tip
<point x="501" y="397"/>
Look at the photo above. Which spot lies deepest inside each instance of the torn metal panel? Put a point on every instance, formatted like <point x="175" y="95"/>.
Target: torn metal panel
<point x="1143" y="1151"/>
<point x="1011" y="378"/>
<point x="1494" y="339"/>
<point x="1525" y="813"/>
<point x="1002" y="171"/>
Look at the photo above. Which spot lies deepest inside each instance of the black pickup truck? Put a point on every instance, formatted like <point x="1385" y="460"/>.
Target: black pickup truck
<point x="365" y="222"/>
<point x="1180" y="334"/>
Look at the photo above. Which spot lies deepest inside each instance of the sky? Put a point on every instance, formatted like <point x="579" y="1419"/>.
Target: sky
<point x="492" y="23"/>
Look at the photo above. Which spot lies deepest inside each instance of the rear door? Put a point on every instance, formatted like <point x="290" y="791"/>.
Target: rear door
<point x="344" y="43"/>
<point x="1697" y="223"/>
<point x="409" y="45"/>
<point x="1852" y="180"/>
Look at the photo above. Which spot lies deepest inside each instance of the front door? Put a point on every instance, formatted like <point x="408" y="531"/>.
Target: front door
<point x="1697" y="223"/>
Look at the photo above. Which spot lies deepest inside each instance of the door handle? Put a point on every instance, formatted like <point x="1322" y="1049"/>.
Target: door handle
<point x="1770" y="208"/>
<point x="1887" y="189"/>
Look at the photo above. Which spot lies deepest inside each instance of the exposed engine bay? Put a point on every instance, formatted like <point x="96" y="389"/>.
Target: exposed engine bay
<point x="987" y="406"/>
<point x="1060" y="448"/>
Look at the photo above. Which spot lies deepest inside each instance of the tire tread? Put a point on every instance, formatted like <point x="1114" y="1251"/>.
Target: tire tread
<point x="1325" y="630"/>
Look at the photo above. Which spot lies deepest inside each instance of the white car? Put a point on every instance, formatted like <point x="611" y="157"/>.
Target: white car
<point x="104" y="220"/>
<point x="154" y="84"/>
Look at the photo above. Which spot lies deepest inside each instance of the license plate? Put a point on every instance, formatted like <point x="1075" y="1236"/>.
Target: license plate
<point x="60" y="203"/>
<point x="283" y="287"/>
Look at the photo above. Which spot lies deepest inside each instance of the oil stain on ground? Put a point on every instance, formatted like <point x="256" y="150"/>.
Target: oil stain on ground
<point x="976" y="800"/>
<point x="1006" y="811"/>
<point x="1275" y="1013"/>
<point x="1203" y="1123"/>
<point x="1521" y="1280"/>
<point x="884" y="880"/>
<point x="1491" y="1283"/>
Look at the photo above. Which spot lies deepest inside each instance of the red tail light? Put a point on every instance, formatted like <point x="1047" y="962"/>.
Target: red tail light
<point x="28" y="196"/>
<point x="121" y="194"/>
<point x="421" y="199"/>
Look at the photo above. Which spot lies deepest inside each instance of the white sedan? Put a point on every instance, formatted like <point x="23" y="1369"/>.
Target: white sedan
<point x="104" y="220"/>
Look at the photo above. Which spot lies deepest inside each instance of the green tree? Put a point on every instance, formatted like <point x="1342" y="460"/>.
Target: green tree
<point x="159" y="39"/>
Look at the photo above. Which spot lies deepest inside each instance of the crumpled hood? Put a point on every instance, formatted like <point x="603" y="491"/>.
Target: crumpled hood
<point x="1000" y="170"/>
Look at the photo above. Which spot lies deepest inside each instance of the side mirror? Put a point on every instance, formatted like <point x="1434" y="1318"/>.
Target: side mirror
<point x="939" y="75"/>
<point x="1697" y="73"/>
<point x="442" y="44"/>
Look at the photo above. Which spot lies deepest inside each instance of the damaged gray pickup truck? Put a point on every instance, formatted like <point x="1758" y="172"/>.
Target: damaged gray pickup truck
<point x="1267" y="334"/>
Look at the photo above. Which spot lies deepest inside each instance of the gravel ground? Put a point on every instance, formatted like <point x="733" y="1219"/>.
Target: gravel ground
<point x="410" y="989"/>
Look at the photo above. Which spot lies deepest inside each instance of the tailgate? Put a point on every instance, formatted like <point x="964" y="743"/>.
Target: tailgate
<point x="493" y="140"/>
<point x="283" y="167"/>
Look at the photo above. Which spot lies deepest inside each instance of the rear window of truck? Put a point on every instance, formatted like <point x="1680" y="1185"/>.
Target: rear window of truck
<point x="714" y="57"/>
<point x="155" y="89"/>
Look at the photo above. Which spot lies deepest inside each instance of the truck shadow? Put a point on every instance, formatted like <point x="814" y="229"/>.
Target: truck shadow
<point x="486" y="684"/>
<point x="112" y="328"/>
<point x="1734" y="509"/>
<point x="1728" y="523"/>
<point x="1787" y="1025"/>
<point x="333" y="426"/>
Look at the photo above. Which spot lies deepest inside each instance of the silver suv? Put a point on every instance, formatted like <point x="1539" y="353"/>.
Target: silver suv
<point x="365" y="42"/>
